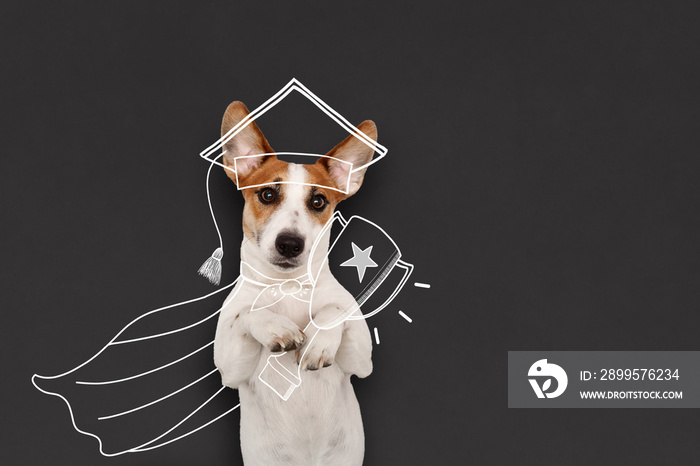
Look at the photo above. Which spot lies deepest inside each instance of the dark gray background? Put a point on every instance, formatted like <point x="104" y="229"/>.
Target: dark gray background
<point x="542" y="176"/>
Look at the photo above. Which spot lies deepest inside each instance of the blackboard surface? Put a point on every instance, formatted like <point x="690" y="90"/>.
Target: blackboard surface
<point x="542" y="177"/>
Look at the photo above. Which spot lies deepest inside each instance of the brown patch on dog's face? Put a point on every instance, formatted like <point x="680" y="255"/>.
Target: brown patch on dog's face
<point x="256" y="212"/>
<point x="272" y="175"/>
<point x="287" y="199"/>
<point x="317" y="174"/>
<point x="287" y="206"/>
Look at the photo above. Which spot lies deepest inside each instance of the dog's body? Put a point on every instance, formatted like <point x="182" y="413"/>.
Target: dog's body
<point x="285" y="212"/>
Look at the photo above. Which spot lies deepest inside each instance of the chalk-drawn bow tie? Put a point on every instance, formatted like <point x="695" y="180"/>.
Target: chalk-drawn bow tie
<point x="274" y="290"/>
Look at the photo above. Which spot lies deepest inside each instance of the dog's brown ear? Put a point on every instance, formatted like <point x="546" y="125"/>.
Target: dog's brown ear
<point x="352" y="149"/>
<point x="247" y="142"/>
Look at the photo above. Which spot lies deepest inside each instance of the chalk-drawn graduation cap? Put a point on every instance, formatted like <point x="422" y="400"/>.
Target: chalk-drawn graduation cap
<point x="216" y="151"/>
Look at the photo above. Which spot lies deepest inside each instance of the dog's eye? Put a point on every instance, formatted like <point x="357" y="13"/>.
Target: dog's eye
<point x="267" y="195"/>
<point x="318" y="202"/>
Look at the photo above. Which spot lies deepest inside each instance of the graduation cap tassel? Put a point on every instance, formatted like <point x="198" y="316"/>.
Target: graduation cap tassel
<point x="211" y="269"/>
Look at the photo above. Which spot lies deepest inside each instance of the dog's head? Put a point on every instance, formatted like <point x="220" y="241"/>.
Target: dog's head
<point x="287" y="204"/>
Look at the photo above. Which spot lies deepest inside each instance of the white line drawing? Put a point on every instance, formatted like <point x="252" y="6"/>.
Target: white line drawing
<point x="241" y="185"/>
<point x="143" y="448"/>
<point x="291" y="86"/>
<point x="79" y="382"/>
<point x="115" y="341"/>
<point x="211" y="269"/>
<point x="421" y="285"/>
<point x="279" y="364"/>
<point x="145" y="445"/>
<point x="401" y="313"/>
<point x="158" y="400"/>
<point x="376" y="335"/>
<point x="367" y="292"/>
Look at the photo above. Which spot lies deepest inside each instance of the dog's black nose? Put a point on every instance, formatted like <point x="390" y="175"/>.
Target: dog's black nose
<point x="289" y="245"/>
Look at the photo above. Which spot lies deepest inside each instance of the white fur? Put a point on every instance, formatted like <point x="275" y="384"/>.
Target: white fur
<point x="320" y="424"/>
<point x="285" y="218"/>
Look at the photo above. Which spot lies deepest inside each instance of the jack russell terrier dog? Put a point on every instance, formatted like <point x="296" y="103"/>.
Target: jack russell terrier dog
<point x="286" y="209"/>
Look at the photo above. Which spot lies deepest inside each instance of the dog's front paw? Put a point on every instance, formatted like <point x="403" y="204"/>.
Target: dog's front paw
<point x="320" y="352"/>
<point x="275" y="332"/>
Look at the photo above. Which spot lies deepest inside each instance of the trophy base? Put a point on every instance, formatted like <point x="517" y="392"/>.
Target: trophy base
<point x="279" y="377"/>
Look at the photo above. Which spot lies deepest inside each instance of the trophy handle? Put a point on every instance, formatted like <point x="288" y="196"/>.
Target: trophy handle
<point x="281" y="373"/>
<point x="280" y="376"/>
